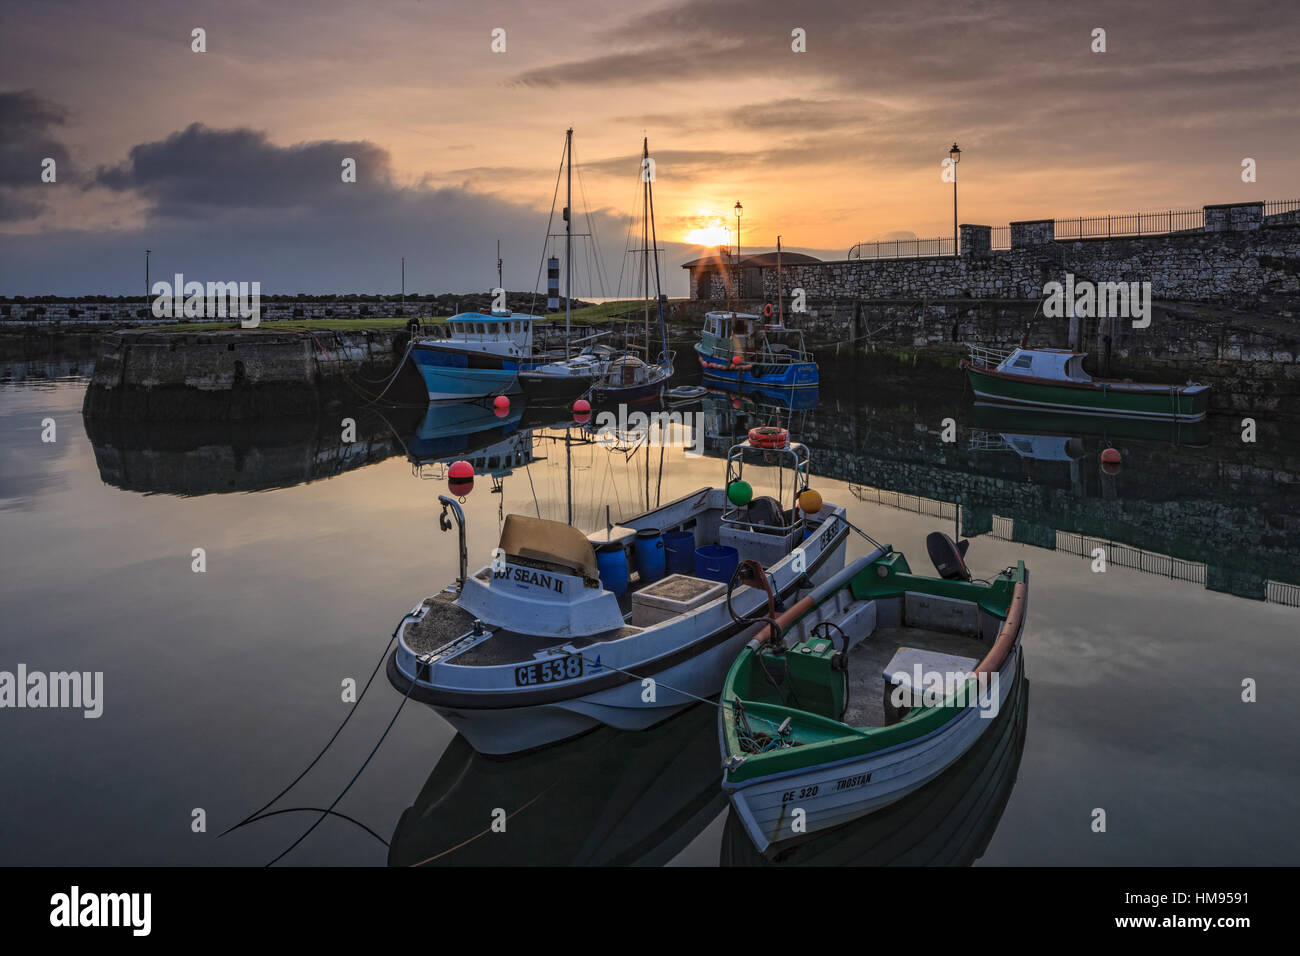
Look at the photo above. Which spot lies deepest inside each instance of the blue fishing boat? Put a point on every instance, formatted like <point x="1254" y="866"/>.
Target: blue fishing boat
<point x="474" y="355"/>
<point x="743" y="350"/>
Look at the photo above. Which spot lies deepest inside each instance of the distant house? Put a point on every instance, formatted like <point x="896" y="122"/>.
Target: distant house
<point x="710" y="274"/>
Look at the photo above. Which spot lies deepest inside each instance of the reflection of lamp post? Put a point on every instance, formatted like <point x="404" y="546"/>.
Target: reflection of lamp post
<point x="739" y="209"/>
<point x="955" y="155"/>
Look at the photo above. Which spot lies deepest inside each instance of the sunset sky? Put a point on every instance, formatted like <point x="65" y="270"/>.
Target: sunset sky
<point x="227" y="163"/>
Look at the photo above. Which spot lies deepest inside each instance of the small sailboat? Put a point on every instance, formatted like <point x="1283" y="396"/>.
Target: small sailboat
<point x="564" y="631"/>
<point x="865" y="690"/>
<point x="1054" y="380"/>
<point x="629" y="378"/>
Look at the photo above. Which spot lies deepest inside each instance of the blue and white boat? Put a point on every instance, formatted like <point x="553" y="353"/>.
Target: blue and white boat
<point x="743" y="350"/>
<point x="475" y="355"/>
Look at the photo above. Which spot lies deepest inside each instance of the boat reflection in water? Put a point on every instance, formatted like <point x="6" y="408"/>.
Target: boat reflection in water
<point x="948" y="822"/>
<point x="1019" y="420"/>
<point x="607" y="798"/>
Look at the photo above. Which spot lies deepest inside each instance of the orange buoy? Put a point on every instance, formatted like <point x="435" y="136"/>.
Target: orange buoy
<point x="810" y="501"/>
<point x="769" y="437"/>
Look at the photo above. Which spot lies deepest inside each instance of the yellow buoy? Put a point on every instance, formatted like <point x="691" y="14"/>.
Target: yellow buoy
<point x="810" y="501"/>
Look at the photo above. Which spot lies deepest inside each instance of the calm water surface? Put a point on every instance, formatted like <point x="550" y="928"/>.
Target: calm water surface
<point x="220" y="686"/>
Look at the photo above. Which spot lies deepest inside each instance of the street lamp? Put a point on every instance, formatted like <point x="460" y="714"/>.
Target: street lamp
<point x="146" y="274"/>
<point x="955" y="155"/>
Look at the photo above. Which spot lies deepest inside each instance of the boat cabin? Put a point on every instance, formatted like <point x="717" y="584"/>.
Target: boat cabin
<point x="1056" y="364"/>
<point x="500" y="333"/>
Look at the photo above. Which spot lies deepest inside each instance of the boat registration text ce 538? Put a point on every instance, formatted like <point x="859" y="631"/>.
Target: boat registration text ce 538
<point x="546" y="672"/>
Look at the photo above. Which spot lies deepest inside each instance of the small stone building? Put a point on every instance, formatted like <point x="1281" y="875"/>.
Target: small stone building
<point x="710" y="274"/>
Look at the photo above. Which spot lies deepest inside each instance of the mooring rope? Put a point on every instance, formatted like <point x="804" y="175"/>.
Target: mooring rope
<point x="260" y="813"/>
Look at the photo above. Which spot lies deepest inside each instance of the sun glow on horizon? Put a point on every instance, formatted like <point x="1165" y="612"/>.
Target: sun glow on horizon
<point x="712" y="233"/>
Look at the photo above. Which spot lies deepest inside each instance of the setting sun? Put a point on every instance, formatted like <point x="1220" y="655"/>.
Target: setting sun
<point x="714" y="233"/>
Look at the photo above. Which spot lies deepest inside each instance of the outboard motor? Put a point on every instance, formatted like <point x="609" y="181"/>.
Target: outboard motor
<point x="948" y="556"/>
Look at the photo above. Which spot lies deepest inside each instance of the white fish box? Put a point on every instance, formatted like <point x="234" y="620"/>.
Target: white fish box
<point x="674" y="595"/>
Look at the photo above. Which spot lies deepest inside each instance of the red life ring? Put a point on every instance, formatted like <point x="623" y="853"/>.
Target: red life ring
<point x="769" y="437"/>
<point x="767" y="311"/>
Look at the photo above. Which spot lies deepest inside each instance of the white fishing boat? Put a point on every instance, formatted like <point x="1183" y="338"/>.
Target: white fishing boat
<point x="565" y="631"/>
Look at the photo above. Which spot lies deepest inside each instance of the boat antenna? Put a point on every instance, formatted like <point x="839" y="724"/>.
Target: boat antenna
<point x="780" y="303"/>
<point x="500" y="284"/>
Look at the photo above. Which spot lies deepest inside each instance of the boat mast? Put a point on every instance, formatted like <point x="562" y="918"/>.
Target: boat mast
<point x="645" y="243"/>
<point x="500" y="284"/>
<point x="568" y="239"/>
<point x="659" y="292"/>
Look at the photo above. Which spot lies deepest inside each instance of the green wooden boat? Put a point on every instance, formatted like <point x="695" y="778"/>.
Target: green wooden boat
<point x="1054" y="379"/>
<point x="879" y="681"/>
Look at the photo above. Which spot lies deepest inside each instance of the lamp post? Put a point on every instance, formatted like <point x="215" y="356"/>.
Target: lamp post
<point x="739" y="209"/>
<point x="146" y="275"/>
<point x="955" y="155"/>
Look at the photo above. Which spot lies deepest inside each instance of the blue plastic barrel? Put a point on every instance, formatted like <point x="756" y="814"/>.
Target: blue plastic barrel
<point x="649" y="550"/>
<point x="679" y="551"/>
<point x="611" y="561"/>
<point x="716" y="562"/>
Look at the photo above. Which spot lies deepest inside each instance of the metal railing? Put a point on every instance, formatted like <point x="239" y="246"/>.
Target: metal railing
<point x="982" y="357"/>
<point x="1279" y="592"/>
<point x="902" y="248"/>
<point x="1278" y="207"/>
<point x="1130" y="224"/>
<point x="1152" y="562"/>
<point x="905" y="502"/>
<point x="999" y="238"/>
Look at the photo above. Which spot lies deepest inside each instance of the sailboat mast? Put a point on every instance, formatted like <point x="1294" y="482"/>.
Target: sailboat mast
<point x="654" y="242"/>
<point x="645" y="240"/>
<point x="568" y="240"/>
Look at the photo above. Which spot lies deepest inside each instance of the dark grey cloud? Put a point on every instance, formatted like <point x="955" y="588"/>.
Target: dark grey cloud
<point x="229" y="204"/>
<point x="205" y="171"/>
<point x="29" y="124"/>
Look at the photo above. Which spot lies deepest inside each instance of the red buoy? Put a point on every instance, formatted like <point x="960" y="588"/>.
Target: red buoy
<point x="1110" y="459"/>
<point x="736" y="360"/>
<point x="460" y="469"/>
<point x="582" y="411"/>
<point x="501" y="404"/>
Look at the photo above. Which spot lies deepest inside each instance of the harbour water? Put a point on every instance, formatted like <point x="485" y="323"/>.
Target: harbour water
<point x="220" y="686"/>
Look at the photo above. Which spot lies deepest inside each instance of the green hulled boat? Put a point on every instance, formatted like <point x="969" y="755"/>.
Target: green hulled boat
<point x="1054" y="379"/>
<point x="879" y="681"/>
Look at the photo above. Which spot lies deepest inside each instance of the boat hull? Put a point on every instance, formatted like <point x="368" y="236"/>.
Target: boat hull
<point x="832" y="795"/>
<point x="455" y="374"/>
<point x="687" y="662"/>
<point x="784" y="375"/>
<point x="1172" y="403"/>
